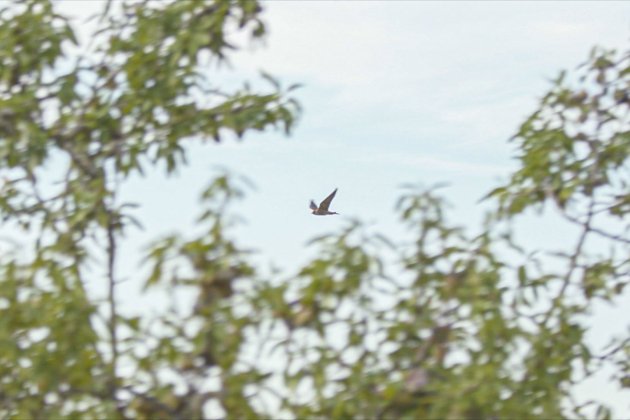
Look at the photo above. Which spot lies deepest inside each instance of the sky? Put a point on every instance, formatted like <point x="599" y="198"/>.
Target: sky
<point x="394" y="92"/>
<point x="400" y="92"/>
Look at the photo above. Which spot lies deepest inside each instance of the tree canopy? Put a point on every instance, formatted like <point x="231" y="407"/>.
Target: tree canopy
<point x="444" y="323"/>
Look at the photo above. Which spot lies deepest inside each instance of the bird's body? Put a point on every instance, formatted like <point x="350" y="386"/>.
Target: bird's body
<point x="322" y="209"/>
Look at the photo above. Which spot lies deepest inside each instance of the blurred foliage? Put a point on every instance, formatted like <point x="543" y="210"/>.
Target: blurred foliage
<point x="443" y="324"/>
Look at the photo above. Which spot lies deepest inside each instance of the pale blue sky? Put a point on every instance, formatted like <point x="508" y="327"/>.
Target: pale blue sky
<point x="395" y="92"/>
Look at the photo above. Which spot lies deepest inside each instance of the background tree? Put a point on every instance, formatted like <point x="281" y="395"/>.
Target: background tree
<point x="443" y="323"/>
<point x="130" y="98"/>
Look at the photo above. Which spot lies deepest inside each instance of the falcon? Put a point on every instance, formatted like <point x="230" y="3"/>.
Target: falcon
<point x="322" y="210"/>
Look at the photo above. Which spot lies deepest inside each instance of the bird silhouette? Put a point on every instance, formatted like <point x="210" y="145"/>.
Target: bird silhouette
<point x="322" y="210"/>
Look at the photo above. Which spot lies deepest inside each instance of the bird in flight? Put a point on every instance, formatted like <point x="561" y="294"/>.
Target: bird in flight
<point x="322" y="210"/>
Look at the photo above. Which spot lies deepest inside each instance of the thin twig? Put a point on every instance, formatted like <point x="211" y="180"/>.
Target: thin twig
<point x="598" y="231"/>
<point x="111" y="297"/>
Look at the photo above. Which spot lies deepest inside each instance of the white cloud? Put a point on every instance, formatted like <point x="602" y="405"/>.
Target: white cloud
<point x="560" y="30"/>
<point x="432" y="163"/>
<point x="471" y="69"/>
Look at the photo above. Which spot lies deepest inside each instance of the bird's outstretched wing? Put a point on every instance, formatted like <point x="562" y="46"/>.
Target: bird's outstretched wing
<point x="313" y="206"/>
<point x="326" y="203"/>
